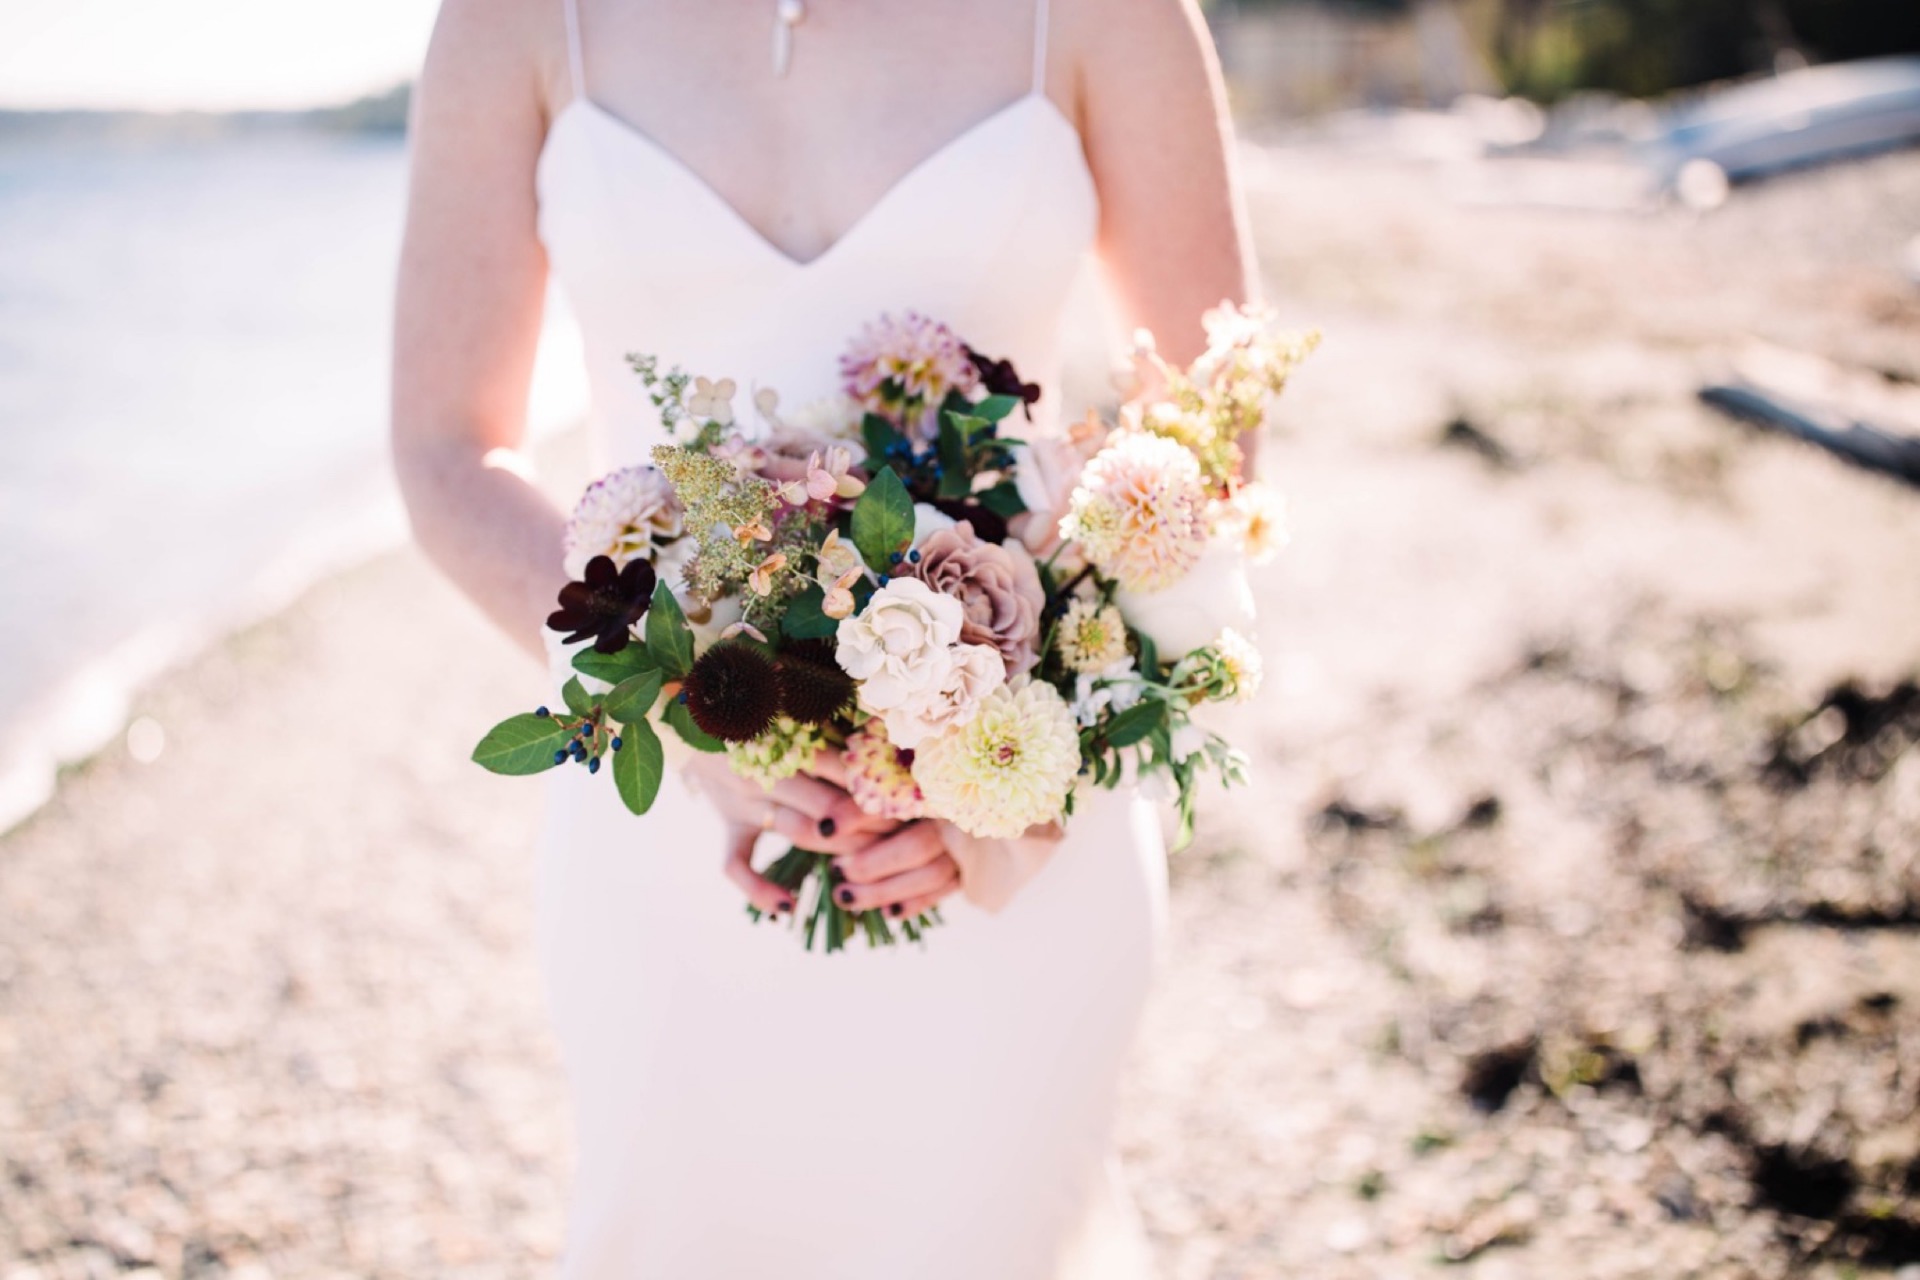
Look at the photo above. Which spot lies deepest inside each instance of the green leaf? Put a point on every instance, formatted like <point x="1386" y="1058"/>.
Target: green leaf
<point x="669" y="638"/>
<point x="969" y="426"/>
<point x="638" y="766"/>
<point x="994" y="408"/>
<point x="681" y="720"/>
<point x="520" y="745"/>
<point x="1136" y="722"/>
<point x="1149" y="654"/>
<point x="575" y="694"/>
<point x="956" y="480"/>
<point x="633" y="698"/>
<point x="612" y="668"/>
<point x="883" y="520"/>
<point x="879" y="435"/>
<point x="803" y="619"/>
<point x="1004" y="500"/>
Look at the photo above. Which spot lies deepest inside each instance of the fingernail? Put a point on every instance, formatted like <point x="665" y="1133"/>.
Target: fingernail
<point x="846" y="897"/>
<point x="828" y="826"/>
<point x="896" y="908"/>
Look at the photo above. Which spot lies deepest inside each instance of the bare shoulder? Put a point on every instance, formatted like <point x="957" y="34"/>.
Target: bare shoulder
<point x="505" y="47"/>
<point x="1154" y="45"/>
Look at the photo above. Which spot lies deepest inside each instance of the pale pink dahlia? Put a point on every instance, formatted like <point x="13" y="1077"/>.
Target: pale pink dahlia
<point x="880" y="776"/>
<point x="1140" y="511"/>
<point x="624" y="514"/>
<point x="906" y="366"/>
<point x="1008" y="768"/>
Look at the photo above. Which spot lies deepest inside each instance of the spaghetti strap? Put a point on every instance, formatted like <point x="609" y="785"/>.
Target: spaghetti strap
<point x="1039" y="45"/>
<point x="575" y="62"/>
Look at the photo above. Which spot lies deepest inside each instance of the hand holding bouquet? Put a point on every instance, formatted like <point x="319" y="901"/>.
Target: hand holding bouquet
<point x="894" y="587"/>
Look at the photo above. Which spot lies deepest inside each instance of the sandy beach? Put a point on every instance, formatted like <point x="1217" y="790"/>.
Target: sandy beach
<point x="1571" y="927"/>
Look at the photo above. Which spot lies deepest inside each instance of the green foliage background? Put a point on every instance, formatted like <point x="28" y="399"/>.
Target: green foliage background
<point x="1550" y="48"/>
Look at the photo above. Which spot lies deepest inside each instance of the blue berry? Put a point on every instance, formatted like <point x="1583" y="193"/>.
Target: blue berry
<point x="559" y="757"/>
<point x="914" y="556"/>
<point x="683" y="697"/>
<point x="897" y="557"/>
<point x="615" y="744"/>
<point x="593" y="765"/>
<point x="542" y="712"/>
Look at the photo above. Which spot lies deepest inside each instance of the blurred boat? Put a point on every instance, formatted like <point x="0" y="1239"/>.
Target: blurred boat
<point x="1811" y="116"/>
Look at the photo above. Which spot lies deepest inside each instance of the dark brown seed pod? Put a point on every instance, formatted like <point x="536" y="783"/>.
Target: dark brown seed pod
<point x="733" y="692"/>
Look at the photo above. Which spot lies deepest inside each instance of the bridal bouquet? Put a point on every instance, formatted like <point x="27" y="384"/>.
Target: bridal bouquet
<point x="981" y="624"/>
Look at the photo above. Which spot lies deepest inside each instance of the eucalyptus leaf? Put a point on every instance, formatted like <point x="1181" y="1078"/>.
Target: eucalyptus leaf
<point x="1136" y="723"/>
<point x="968" y="425"/>
<point x="956" y="480"/>
<point x="880" y="436"/>
<point x="681" y="720"/>
<point x="1004" y="500"/>
<point x="633" y="698"/>
<point x="638" y="766"/>
<point x="1149" y="654"/>
<point x="612" y="668"/>
<point x="669" y="638"/>
<point x="520" y="745"/>
<point x="804" y="620"/>
<point x="994" y="408"/>
<point x="883" y="520"/>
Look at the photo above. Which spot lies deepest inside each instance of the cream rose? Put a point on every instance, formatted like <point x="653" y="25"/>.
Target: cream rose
<point x="897" y="647"/>
<point x="974" y="671"/>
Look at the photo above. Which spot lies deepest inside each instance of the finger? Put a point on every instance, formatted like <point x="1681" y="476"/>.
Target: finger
<point x="809" y="795"/>
<point x="935" y="877"/>
<point x="798" y="829"/>
<point x="915" y="846"/>
<point x="760" y="891"/>
<point x="831" y="808"/>
<point x="913" y="908"/>
<point x="831" y="765"/>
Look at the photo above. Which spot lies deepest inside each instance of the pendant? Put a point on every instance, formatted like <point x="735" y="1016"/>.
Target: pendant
<point x="785" y="18"/>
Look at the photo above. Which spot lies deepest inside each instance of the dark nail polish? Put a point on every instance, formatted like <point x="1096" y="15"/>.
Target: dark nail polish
<point x="896" y="909"/>
<point x="827" y="826"/>
<point x="846" y="897"/>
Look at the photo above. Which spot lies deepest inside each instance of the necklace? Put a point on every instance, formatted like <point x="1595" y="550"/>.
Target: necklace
<point x="787" y="15"/>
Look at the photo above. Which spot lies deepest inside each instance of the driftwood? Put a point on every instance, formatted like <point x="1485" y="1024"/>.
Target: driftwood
<point x="1859" y="443"/>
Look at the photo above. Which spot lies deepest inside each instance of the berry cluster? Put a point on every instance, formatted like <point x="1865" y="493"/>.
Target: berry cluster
<point x="592" y="737"/>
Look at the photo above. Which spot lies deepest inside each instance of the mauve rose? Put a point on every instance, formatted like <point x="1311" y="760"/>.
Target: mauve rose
<point x="998" y="586"/>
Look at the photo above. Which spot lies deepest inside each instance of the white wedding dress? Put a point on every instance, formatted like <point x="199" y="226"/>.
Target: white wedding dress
<point x="745" y="1109"/>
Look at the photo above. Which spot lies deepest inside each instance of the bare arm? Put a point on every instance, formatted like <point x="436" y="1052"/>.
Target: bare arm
<point x="1173" y="238"/>
<point x="471" y="288"/>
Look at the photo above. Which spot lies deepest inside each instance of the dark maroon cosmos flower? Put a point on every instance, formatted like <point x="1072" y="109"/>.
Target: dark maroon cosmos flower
<point x="605" y="604"/>
<point x="1000" y="379"/>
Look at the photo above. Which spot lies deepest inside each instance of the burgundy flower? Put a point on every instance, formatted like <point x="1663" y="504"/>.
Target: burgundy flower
<point x="1000" y="379"/>
<point x="605" y="604"/>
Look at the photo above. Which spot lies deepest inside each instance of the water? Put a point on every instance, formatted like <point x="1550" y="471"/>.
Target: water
<point x="193" y="375"/>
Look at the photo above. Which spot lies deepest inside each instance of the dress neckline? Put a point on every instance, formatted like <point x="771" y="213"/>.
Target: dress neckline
<point x="587" y="108"/>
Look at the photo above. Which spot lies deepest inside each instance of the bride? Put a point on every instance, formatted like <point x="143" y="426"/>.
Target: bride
<point x="738" y="187"/>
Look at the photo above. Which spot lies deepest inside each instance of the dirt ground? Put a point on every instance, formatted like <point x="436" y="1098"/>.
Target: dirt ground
<point x="1571" y="928"/>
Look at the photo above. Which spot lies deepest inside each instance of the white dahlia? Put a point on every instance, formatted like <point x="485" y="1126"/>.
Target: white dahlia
<point x="1139" y="513"/>
<point x="623" y="515"/>
<point x="1008" y="768"/>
